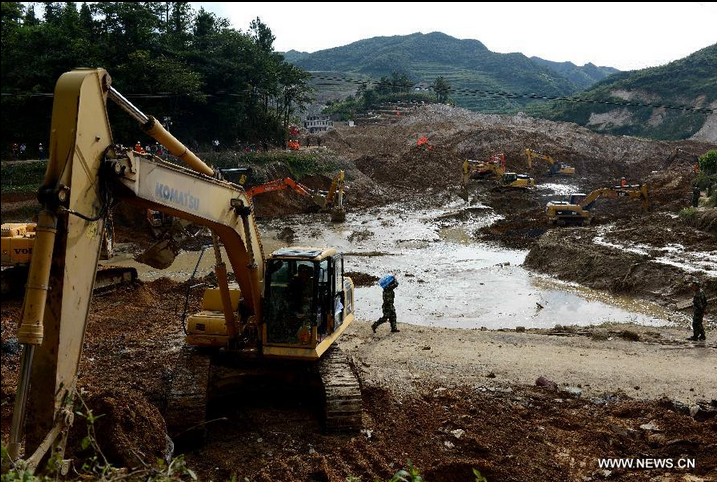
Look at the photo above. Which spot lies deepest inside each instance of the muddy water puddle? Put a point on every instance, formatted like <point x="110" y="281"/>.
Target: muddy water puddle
<point x="447" y="278"/>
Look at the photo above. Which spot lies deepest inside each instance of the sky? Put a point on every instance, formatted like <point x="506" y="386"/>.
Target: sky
<point x="626" y="36"/>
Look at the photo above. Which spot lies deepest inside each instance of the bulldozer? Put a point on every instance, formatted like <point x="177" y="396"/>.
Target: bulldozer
<point x="495" y="167"/>
<point x="285" y="312"/>
<point x="576" y="211"/>
<point x="557" y="168"/>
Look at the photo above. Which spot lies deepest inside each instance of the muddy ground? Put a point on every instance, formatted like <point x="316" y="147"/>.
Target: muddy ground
<point x="447" y="400"/>
<point x="453" y="400"/>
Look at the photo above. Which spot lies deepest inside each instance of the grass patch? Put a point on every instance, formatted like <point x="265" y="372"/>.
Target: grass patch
<point x="18" y="177"/>
<point x="688" y="214"/>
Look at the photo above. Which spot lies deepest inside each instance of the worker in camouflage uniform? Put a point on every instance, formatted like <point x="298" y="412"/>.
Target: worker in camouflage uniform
<point x="389" y="311"/>
<point x="699" y="303"/>
<point x="695" y="196"/>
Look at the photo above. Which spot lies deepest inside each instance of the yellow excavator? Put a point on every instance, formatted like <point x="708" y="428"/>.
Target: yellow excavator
<point x="556" y="167"/>
<point x="576" y="211"/>
<point x="495" y="167"/>
<point x="286" y="311"/>
<point x="18" y="240"/>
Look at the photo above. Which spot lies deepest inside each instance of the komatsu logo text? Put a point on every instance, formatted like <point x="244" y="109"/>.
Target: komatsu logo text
<point x="175" y="196"/>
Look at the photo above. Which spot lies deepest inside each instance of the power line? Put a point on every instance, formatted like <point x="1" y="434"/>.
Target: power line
<point x="458" y="91"/>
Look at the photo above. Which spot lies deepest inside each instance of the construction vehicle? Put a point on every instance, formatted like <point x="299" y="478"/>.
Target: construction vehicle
<point x="495" y="167"/>
<point x="18" y="240"/>
<point x="577" y="212"/>
<point x="331" y="200"/>
<point x="556" y="167"/>
<point x="160" y="222"/>
<point x="255" y="324"/>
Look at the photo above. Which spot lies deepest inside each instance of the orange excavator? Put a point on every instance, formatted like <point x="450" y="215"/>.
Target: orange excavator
<point x="331" y="200"/>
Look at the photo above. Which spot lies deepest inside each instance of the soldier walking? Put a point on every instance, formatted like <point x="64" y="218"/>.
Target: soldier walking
<point x="389" y="284"/>
<point x="699" y="303"/>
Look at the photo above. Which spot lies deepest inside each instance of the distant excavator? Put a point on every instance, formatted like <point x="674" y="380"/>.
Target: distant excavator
<point x="331" y="200"/>
<point x="576" y="211"/>
<point x="556" y="167"/>
<point x="495" y="167"/>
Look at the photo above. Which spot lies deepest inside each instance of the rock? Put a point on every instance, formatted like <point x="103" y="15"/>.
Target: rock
<point x="426" y="347"/>
<point x="312" y="451"/>
<point x="367" y="433"/>
<point x="520" y="329"/>
<point x="650" y="427"/>
<point x="544" y="382"/>
<point x="458" y="433"/>
<point x="694" y="410"/>
<point x="11" y="346"/>
<point x="483" y="328"/>
<point x="287" y="234"/>
<point x="574" y="391"/>
<point x="490" y="375"/>
<point x="449" y="444"/>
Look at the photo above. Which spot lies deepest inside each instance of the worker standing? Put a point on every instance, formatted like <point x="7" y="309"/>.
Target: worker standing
<point x="695" y="196"/>
<point x="699" y="304"/>
<point x="389" y="283"/>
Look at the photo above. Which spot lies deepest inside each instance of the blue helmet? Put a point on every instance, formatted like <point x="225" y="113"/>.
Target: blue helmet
<point x="387" y="281"/>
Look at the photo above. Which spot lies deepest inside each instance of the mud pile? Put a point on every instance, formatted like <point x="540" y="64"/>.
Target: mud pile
<point x="524" y="435"/>
<point x="570" y="255"/>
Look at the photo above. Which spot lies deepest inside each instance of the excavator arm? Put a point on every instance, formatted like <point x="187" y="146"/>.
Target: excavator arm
<point x="636" y="191"/>
<point x="332" y="199"/>
<point x="287" y="182"/>
<point x="85" y="176"/>
<point x="556" y="167"/>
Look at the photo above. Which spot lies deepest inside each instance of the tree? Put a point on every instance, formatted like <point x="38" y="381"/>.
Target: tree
<point x="215" y="81"/>
<point x="708" y="162"/>
<point x="441" y="87"/>
<point x="262" y="35"/>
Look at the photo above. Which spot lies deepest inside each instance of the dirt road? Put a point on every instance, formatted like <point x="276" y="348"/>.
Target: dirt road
<point x="599" y="360"/>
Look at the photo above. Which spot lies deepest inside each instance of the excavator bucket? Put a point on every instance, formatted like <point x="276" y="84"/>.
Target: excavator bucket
<point x="161" y="254"/>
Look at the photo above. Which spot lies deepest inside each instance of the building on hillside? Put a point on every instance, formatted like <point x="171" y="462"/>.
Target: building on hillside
<point x="318" y="123"/>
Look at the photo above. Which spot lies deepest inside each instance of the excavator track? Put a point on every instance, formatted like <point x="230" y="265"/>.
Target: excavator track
<point x="187" y="400"/>
<point x="342" y="392"/>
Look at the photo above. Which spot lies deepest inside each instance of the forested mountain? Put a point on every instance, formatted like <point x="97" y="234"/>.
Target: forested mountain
<point x="465" y="64"/>
<point x="583" y="77"/>
<point x="211" y="80"/>
<point x="691" y="81"/>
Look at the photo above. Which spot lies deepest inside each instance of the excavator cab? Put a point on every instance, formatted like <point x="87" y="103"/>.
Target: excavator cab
<point x="306" y="299"/>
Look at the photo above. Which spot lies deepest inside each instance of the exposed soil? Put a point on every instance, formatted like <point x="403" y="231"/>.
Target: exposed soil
<point x="448" y="400"/>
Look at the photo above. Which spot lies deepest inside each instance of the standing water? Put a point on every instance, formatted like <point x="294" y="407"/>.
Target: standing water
<point x="447" y="277"/>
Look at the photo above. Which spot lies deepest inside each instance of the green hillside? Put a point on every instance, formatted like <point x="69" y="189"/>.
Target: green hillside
<point x="583" y="77"/>
<point x="466" y="64"/>
<point x="691" y="81"/>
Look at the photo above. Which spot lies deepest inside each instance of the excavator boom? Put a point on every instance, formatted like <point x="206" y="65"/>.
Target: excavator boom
<point x="556" y="167"/>
<point x="86" y="175"/>
<point x="577" y="210"/>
